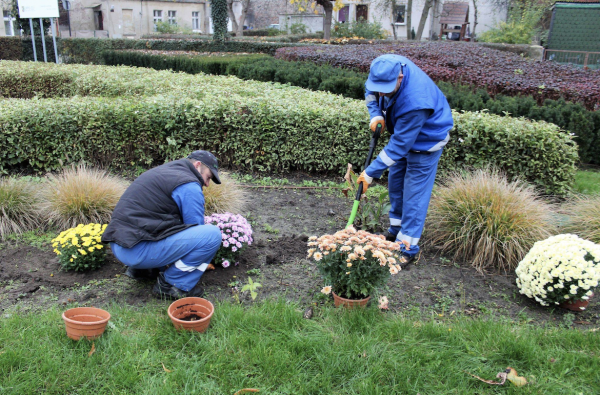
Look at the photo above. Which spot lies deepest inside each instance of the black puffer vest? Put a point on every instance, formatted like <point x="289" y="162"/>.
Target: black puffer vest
<point x="146" y="211"/>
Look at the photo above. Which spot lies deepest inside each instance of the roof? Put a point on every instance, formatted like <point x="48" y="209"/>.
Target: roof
<point x="574" y="26"/>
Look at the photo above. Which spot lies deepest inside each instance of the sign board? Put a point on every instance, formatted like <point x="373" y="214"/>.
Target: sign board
<point x="38" y="9"/>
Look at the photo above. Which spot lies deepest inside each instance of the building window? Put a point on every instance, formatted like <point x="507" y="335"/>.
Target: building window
<point x="10" y="25"/>
<point x="195" y="21"/>
<point x="400" y="14"/>
<point x="157" y="17"/>
<point x="172" y="17"/>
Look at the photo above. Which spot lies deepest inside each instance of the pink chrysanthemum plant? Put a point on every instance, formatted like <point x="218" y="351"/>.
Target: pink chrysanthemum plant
<point x="236" y="233"/>
<point x="354" y="263"/>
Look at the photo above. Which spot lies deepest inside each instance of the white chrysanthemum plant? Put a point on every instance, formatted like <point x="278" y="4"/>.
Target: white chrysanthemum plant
<point x="353" y="263"/>
<point x="560" y="269"/>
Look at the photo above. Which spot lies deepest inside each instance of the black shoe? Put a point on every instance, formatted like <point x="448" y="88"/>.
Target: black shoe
<point x="406" y="259"/>
<point x="165" y="290"/>
<point x="141" y="274"/>
<point x="390" y="237"/>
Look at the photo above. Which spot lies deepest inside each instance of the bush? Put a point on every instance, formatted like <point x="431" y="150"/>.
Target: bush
<point x="584" y="217"/>
<point x="469" y="64"/>
<point x="19" y="210"/>
<point x="298" y="28"/>
<point x="81" y="195"/>
<point x="228" y="197"/>
<point x="360" y="29"/>
<point x="254" y="126"/>
<point x="572" y="117"/>
<point x="80" y="248"/>
<point x="520" y="28"/>
<point x="483" y="218"/>
<point x="536" y="152"/>
<point x="236" y="233"/>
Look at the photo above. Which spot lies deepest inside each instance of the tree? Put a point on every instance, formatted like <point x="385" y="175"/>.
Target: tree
<point x="218" y="12"/>
<point x="238" y="28"/>
<point x="328" y="6"/>
<point x="424" y="14"/>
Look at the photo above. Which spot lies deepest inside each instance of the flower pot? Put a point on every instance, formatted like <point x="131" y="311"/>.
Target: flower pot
<point x="88" y="322"/>
<point x="191" y="314"/>
<point x="576" y="305"/>
<point x="349" y="303"/>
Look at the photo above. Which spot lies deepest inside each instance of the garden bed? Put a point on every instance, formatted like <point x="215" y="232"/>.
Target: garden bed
<point x="282" y="219"/>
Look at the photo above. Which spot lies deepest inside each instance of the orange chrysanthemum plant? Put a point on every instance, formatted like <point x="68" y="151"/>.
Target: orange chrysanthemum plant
<point x="353" y="262"/>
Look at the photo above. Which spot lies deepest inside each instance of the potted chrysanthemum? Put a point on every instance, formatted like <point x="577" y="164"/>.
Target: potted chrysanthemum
<point x="561" y="270"/>
<point x="236" y="233"/>
<point x="353" y="264"/>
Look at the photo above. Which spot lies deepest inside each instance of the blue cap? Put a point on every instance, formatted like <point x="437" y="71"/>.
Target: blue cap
<point x="384" y="73"/>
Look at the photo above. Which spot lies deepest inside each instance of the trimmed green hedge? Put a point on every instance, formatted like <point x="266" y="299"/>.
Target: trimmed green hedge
<point x="146" y="116"/>
<point x="572" y="117"/>
<point x="90" y="50"/>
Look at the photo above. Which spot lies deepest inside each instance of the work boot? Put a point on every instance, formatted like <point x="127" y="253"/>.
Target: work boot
<point x="165" y="290"/>
<point x="141" y="274"/>
<point x="389" y="236"/>
<point x="406" y="259"/>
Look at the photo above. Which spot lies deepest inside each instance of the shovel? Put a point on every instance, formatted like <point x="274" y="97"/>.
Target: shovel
<point x="372" y="145"/>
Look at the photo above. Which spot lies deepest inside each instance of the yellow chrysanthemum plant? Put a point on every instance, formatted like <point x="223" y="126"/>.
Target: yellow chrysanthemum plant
<point x="80" y="248"/>
<point x="354" y="263"/>
<point x="563" y="268"/>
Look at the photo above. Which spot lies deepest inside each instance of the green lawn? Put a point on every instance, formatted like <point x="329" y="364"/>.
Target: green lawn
<point x="587" y="182"/>
<point x="269" y="346"/>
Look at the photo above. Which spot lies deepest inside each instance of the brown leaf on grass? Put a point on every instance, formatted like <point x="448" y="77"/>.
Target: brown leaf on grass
<point x="501" y="376"/>
<point x="93" y="350"/>
<point x="514" y="378"/>
<point x="345" y="191"/>
<point x="243" y="391"/>
<point x="165" y="369"/>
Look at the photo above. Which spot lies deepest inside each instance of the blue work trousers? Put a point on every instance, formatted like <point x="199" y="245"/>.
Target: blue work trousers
<point x="189" y="252"/>
<point x="410" y="183"/>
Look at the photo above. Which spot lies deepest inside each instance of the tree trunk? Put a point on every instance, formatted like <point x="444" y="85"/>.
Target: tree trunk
<point x="408" y="19"/>
<point x="245" y="6"/>
<point x="234" y="24"/>
<point x="474" y="19"/>
<point x="328" y="7"/>
<point x="428" y="4"/>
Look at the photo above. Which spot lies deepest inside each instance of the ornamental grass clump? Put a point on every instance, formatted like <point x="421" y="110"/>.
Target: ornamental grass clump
<point x="80" y="248"/>
<point x="236" y="233"/>
<point x="353" y="262"/>
<point x="483" y="218"/>
<point x="563" y="268"/>
<point x="81" y="195"/>
<point x="227" y="197"/>
<point x="584" y="217"/>
<point x="19" y="202"/>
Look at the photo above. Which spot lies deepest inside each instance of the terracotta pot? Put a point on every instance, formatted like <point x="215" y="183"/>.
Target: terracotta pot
<point x="349" y="303"/>
<point x="88" y="322"/>
<point x="183" y="313"/>
<point x="576" y="305"/>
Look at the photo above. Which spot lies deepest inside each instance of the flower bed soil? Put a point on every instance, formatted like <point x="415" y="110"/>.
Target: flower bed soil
<point x="282" y="219"/>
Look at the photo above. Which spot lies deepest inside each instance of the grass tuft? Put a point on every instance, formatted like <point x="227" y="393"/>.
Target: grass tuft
<point x="483" y="218"/>
<point x="584" y="217"/>
<point x="19" y="207"/>
<point x="81" y="195"/>
<point x="228" y="197"/>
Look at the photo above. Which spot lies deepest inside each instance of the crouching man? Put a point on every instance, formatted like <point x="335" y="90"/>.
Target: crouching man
<point x="158" y="224"/>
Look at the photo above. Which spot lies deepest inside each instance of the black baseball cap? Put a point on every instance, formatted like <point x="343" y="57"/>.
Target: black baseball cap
<point x="208" y="160"/>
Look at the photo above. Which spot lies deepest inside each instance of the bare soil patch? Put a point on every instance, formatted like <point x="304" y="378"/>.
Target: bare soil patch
<point x="283" y="219"/>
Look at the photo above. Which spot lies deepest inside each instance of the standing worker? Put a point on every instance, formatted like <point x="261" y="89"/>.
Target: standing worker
<point x="159" y="224"/>
<point x="401" y="96"/>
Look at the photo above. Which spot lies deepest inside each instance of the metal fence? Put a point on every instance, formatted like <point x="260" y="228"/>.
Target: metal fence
<point x="587" y="60"/>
